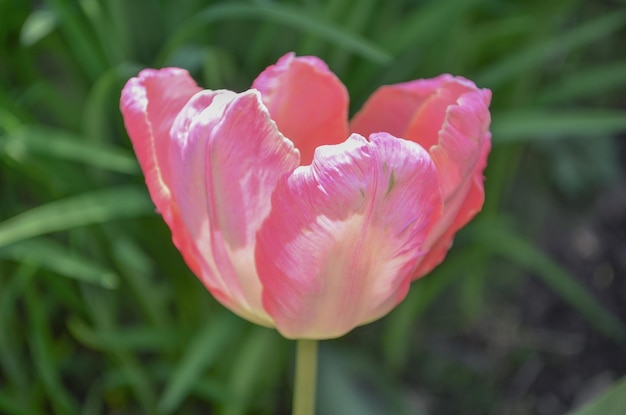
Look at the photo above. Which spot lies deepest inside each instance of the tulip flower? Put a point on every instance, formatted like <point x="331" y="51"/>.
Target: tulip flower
<point x="292" y="216"/>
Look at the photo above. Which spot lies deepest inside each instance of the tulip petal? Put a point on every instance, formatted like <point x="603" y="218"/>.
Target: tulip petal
<point x="450" y="117"/>
<point x="226" y="157"/>
<point x="391" y="108"/>
<point x="468" y="207"/>
<point x="344" y="233"/>
<point x="307" y="101"/>
<point x="460" y="157"/>
<point x="149" y="103"/>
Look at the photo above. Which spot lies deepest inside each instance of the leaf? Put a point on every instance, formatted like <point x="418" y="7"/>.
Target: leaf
<point x="67" y="146"/>
<point x="499" y="238"/>
<point x="85" y="209"/>
<point x="612" y="402"/>
<point x="528" y="126"/>
<point x="255" y="361"/>
<point x="595" y="81"/>
<point x="40" y="345"/>
<point x="143" y="339"/>
<point x="39" y="24"/>
<point x="53" y="256"/>
<point x="525" y="59"/>
<point x="202" y="351"/>
<point x="278" y="13"/>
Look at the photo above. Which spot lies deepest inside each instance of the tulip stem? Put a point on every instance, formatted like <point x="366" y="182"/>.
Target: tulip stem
<point x="306" y="377"/>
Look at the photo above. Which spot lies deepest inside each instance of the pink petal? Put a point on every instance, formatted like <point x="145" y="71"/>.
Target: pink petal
<point x="226" y="157"/>
<point x="468" y="208"/>
<point x="460" y="157"/>
<point x="307" y="101"/>
<point x="391" y="108"/>
<point x="450" y="117"/>
<point x="149" y="104"/>
<point x="344" y="233"/>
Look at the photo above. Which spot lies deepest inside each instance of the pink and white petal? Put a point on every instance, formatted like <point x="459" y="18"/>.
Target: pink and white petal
<point x="226" y="158"/>
<point x="428" y="120"/>
<point x="344" y="233"/>
<point x="149" y="104"/>
<point x="307" y="101"/>
<point x="468" y="208"/>
<point x="460" y="157"/>
<point x="392" y="107"/>
<point x="462" y="138"/>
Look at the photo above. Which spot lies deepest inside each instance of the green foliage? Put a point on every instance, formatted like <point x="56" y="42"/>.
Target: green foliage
<point x="99" y="314"/>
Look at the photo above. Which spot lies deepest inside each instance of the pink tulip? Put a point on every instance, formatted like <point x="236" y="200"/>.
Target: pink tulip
<point x="293" y="218"/>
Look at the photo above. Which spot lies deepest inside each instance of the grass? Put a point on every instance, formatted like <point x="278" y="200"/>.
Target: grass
<point x="99" y="314"/>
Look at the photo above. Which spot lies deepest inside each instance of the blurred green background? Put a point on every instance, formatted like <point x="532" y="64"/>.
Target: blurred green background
<point x="99" y="314"/>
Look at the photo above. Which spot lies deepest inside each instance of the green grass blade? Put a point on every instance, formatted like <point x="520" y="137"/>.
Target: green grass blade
<point x="289" y="16"/>
<point x="13" y="362"/>
<point x="85" y="209"/>
<point x="500" y="239"/>
<point x="526" y="59"/>
<point x="39" y="24"/>
<point x="136" y="339"/>
<point x="65" y="145"/>
<point x="79" y="37"/>
<point x="99" y="115"/>
<point x="203" y="350"/>
<point x="612" y="402"/>
<point x="137" y="267"/>
<point x="423" y="24"/>
<point x="596" y="81"/>
<point x="398" y="325"/>
<point x="40" y="346"/>
<point x="9" y="406"/>
<point x="53" y="256"/>
<point x="528" y="126"/>
<point x="253" y="364"/>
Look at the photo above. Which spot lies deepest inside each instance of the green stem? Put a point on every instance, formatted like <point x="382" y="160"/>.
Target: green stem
<point x="306" y="378"/>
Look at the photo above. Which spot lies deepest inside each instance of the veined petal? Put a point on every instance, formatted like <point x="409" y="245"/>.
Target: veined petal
<point x="307" y="101"/>
<point x="226" y="158"/>
<point x="449" y="116"/>
<point x="391" y="108"/>
<point x="149" y="103"/>
<point x="344" y="233"/>
<point x="460" y="157"/>
<point x="455" y="217"/>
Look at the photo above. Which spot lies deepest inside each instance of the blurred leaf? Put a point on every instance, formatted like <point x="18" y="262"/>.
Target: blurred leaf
<point x="67" y="146"/>
<point x="101" y="107"/>
<point x="252" y="365"/>
<point x="46" y="366"/>
<point x="350" y="384"/>
<point x="51" y="255"/>
<point x="37" y="26"/>
<point x="596" y="81"/>
<point x="85" y="209"/>
<point x="202" y="351"/>
<point x="279" y="13"/>
<point x="612" y="402"/>
<point x="13" y="361"/>
<point x="499" y="238"/>
<point x="526" y="126"/>
<point x="9" y="406"/>
<point x="137" y="267"/>
<point x="424" y="23"/>
<point x="399" y="323"/>
<point x="522" y="60"/>
<point x="144" y="339"/>
<point x="79" y="37"/>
